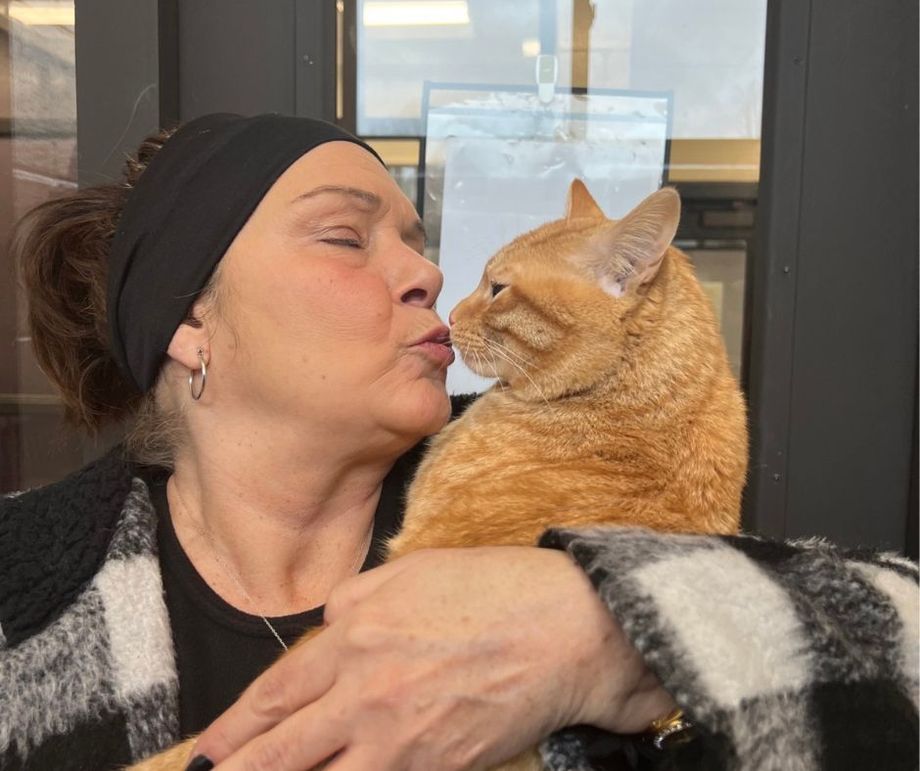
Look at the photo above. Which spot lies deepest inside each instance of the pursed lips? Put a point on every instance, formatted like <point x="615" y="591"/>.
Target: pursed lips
<point x="436" y="344"/>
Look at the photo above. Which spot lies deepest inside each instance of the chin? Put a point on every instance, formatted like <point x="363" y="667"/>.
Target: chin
<point x="438" y="410"/>
<point x="425" y="410"/>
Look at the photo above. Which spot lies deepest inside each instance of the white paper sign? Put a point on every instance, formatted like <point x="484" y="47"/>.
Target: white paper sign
<point x="494" y="189"/>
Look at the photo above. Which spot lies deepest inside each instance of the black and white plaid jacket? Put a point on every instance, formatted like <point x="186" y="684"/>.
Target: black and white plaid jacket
<point x="786" y="656"/>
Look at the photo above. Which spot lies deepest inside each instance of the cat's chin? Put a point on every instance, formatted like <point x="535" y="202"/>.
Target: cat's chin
<point x="485" y="372"/>
<point x="478" y="361"/>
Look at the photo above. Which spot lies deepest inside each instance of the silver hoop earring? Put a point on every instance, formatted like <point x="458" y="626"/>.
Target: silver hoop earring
<point x="204" y="377"/>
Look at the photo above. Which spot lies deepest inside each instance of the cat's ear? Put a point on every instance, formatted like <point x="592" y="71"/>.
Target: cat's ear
<point x="628" y="253"/>
<point x="581" y="203"/>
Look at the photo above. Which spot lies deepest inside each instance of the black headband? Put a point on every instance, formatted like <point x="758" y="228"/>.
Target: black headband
<point x="187" y="207"/>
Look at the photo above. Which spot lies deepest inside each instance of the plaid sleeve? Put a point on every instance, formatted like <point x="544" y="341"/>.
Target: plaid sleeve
<point x="792" y="656"/>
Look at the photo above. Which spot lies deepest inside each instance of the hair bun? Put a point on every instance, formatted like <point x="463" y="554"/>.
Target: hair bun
<point x="62" y="248"/>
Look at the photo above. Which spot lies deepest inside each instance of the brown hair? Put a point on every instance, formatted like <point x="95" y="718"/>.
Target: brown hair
<point x="62" y="249"/>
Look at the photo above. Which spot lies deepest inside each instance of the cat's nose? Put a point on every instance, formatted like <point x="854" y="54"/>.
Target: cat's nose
<point x="450" y="317"/>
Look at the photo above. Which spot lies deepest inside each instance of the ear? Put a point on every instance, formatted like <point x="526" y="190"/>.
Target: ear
<point x="580" y="203"/>
<point x="628" y="253"/>
<point x="189" y="336"/>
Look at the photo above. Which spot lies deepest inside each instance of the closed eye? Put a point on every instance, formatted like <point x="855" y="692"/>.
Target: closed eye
<point x="496" y="288"/>
<point x="352" y="243"/>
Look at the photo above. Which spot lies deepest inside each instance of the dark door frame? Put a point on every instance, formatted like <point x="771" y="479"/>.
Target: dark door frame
<point x="833" y="354"/>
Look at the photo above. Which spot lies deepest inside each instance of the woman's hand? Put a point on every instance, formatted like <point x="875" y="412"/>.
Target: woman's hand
<point x="444" y="659"/>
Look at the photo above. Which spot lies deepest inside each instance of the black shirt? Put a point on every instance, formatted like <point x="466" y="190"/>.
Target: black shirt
<point x="219" y="649"/>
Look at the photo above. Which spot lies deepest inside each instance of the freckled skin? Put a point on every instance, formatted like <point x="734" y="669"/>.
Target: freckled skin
<point x="319" y="325"/>
<point x="321" y="302"/>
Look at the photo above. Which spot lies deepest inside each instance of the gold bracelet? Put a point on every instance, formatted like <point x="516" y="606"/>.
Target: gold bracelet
<point x="670" y="730"/>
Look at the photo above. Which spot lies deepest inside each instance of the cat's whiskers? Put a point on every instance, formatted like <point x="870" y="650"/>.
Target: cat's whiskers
<point x="523" y="360"/>
<point x="495" y="370"/>
<point x="512" y="357"/>
<point x="513" y="363"/>
<point x="477" y="359"/>
<point x="480" y="361"/>
<point x="474" y="357"/>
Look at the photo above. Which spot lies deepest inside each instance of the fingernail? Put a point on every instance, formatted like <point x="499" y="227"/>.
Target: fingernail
<point x="199" y="763"/>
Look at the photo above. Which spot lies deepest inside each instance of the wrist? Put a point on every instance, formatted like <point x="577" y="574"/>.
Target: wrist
<point x="615" y="690"/>
<point x="626" y="702"/>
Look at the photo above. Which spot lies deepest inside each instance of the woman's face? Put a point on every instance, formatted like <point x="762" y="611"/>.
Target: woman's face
<point x="329" y="304"/>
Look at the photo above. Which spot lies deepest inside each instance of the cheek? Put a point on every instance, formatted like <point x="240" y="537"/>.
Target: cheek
<point x="337" y="304"/>
<point x="311" y="334"/>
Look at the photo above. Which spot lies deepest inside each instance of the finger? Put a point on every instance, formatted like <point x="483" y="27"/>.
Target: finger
<point x="349" y="593"/>
<point x="305" y="739"/>
<point x="297" y="679"/>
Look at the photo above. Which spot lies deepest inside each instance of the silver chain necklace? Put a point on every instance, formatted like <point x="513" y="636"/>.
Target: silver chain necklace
<point x="234" y="576"/>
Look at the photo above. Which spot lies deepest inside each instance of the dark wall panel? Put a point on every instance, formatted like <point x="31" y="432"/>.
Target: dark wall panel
<point x="246" y="57"/>
<point x="855" y="344"/>
<point x="236" y="56"/>
<point x="152" y="63"/>
<point x="834" y="313"/>
<point x="118" y="83"/>
<point x="774" y="264"/>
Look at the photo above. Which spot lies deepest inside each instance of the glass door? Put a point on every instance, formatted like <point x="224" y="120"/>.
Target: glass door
<point x="706" y="57"/>
<point x="37" y="162"/>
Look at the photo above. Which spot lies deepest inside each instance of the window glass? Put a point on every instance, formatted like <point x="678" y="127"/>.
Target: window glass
<point x="705" y="55"/>
<point x="37" y="162"/>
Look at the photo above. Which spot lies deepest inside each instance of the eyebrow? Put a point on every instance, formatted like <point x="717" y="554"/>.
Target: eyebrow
<point x="372" y="200"/>
<point x="364" y="196"/>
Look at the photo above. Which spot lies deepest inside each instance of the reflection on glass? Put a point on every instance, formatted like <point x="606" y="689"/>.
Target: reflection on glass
<point x="707" y="55"/>
<point x="721" y="272"/>
<point x="498" y="162"/>
<point x="521" y="152"/>
<point x="37" y="161"/>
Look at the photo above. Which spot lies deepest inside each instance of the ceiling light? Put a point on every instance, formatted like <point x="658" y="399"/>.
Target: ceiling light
<point x="530" y="47"/>
<point x="43" y="15"/>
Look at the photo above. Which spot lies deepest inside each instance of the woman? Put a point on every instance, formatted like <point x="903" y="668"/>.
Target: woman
<point x="256" y="301"/>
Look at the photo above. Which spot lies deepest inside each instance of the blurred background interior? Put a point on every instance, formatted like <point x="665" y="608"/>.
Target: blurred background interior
<point x="750" y="108"/>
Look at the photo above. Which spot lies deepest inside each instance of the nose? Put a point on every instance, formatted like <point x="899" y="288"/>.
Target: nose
<point x="423" y="281"/>
<point x="450" y="317"/>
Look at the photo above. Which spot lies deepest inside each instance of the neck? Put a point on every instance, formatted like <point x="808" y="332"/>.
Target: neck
<point x="672" y="353"/>
<point x="273" y="531"/>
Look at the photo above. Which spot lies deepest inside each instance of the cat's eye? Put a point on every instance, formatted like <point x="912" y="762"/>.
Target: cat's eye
<point x="496" y="288"/>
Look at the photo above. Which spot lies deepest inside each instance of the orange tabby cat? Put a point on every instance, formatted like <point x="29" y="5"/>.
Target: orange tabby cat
<point x="614" y="403"/>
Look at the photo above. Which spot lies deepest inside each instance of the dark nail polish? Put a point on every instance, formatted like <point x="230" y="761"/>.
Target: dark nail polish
<point x="200" y="763"/>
